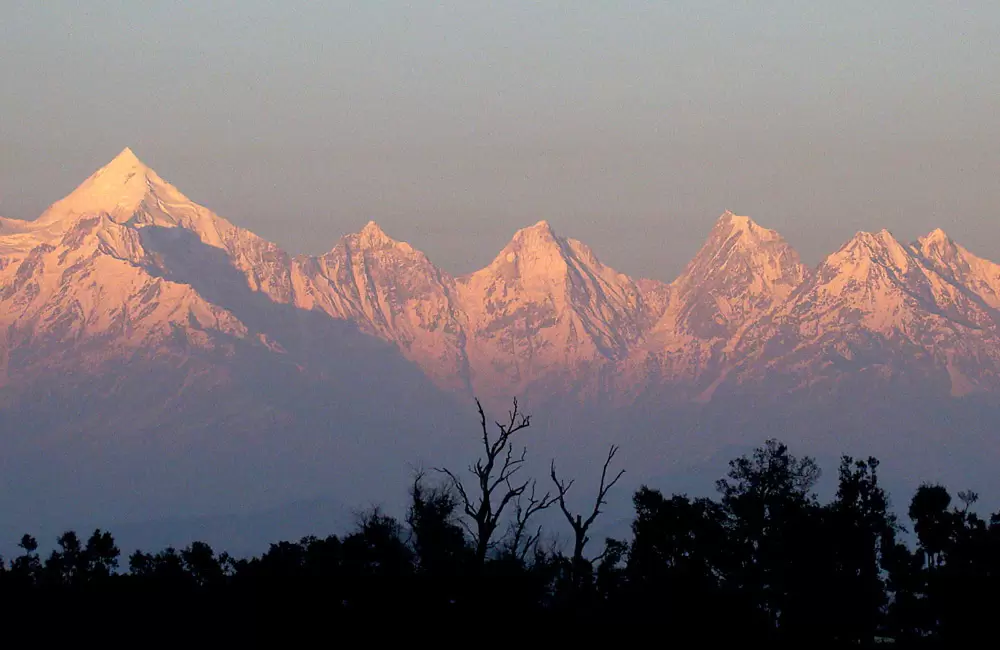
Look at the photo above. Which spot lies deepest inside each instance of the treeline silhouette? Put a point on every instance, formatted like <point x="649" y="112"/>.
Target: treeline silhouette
<point x="765" y="561"/>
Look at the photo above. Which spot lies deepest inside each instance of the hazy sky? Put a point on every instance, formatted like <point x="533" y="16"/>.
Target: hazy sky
<point x="628" y="125"/>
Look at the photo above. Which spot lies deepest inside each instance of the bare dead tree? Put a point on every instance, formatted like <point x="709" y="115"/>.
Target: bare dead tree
<point x="520" y="539"/>
<point x="495" y="487"/>
<point x="580" y="525"/>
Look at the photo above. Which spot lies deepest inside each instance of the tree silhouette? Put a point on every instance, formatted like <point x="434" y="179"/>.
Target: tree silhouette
<point x="932" y="522"/>
<point x="495" y="484"/>
<point x="163" y="570"/>
<point x="677" y="565"/>
<point x="769" y="505"/>
<point x="860" y="531"/>
<point x="65" y="565"/>
<point x="100" y="557"/>
<point x="26" y="568"/>
<point x="377" y="547"/>
<point x="578" y="524"/>
<point x="438" y="539"/>
<point x="763" y="563"/>
<point x="377" y="564"/>
<point x="958" y="576"/>
<point x="202" y="565"/>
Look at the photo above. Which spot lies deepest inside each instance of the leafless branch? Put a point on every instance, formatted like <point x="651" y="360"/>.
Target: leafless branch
<point x="457" y="484"/>
<point x="561" y="490"/>
<point x="580" y="525"/>
<point x="520" y="545"/>
<point x="600" y="557"/>
<point x="494" y="469"/>
<point x="603" y="490"/>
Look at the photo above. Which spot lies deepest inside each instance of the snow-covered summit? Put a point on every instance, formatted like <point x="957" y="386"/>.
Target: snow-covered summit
<point x="545" y="315"/>
<point x="540" y="239"/>
<point x="952" y="260"/>
<point x="119" y="189"/>
<point x="372" y="236"/>
<point x="741" y="272"/>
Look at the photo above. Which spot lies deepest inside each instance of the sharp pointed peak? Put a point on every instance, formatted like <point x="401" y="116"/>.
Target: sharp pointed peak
<point x="938" y="244"/>
<point x="125" y="163"/>
<point x="881" y="247"/>
<point x="538" y="235"/>
<point x="883" y="236"/>
<point x="741" y="231"/>
<point x="372" y="236"/>
<point x="730" y="223"/>
<point x="535" y="241"/>
<point x="372" y="228"/>
<point x="886" y="237"/>
<point x="731" y="218"/>
<point x="860" y="235"/>
<point x="127" y="155"/>
<point x="936" y="236"/>
<point x="117" y="189"/>
<point x="542" y="227"/>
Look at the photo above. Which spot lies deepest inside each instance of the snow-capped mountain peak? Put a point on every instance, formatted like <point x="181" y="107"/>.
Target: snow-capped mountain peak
<point x="978" y="275"/>
<point x="743" y="228"/>
<point x="119" y="190"/>
<point x="544" y="307"/>
<point x="737" y="224"/>
<point x="738" y="243"/>
<point x="126" y="160"/>
<point x="535" y="259"/>
<point x="742" y="271"/>
<point x="544" y="315"/>
<point x="865" y="248"/>
<point x="373" y="237"/>
<point x="539" y="236"/>
<point x="936" y="237"/>
<point x="541" y="226"/>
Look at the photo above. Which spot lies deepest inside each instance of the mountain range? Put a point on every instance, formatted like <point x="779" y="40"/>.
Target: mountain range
<point x="133" y="318"/>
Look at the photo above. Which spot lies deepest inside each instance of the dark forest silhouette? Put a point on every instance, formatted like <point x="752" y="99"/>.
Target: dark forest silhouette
<point x="764" y="561"/>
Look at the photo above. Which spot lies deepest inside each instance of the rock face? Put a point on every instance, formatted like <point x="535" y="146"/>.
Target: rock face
<point x="126" y="266"/>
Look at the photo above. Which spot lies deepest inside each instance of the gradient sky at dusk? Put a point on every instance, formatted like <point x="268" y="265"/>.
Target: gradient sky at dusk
<point x="629" y="125"/>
